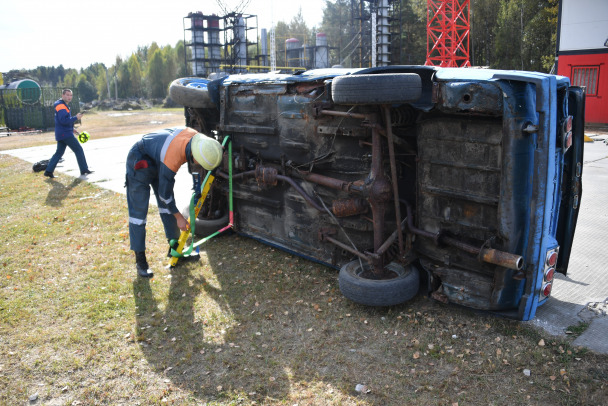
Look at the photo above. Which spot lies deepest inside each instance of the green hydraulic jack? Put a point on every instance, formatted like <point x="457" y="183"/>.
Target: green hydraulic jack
<point x="199" y="196"/>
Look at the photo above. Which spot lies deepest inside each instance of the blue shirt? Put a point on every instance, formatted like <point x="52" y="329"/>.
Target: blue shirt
<point x="64" y="121"/>
<point x="169" y="149"/>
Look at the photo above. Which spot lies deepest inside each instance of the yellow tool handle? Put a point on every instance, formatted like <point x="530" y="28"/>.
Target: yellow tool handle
<point x="183" y="237"/>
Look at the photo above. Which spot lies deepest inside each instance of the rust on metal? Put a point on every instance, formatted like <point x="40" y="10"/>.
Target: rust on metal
<point x="489" y="255"/>
<point x="266" y="176"/>
<point x="325" y="237"/>
<point x="395" y="180"/>
<point x="502" y="258"/>
<point x="327" y="181"/>
<point x="349" y="207"/>
<point x="379" y="192"/>
<point x="344" y="114"/>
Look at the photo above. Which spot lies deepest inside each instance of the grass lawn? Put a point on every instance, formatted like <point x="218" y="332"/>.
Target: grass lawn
<point x="247" y="324"/>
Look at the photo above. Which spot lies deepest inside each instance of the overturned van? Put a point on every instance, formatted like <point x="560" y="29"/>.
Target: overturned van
<point x="465" y="182"/>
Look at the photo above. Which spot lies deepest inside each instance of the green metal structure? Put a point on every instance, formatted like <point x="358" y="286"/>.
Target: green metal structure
<point x="25" y="106"/>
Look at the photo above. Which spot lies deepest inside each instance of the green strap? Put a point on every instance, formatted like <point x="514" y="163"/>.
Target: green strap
<point x="192" y="205"/>
<point x="192" y="227"/>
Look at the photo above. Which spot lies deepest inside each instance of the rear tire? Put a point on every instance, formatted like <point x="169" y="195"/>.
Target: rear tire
<point x="205" y="227"/>
<point x="384" y="292"/>
<point x="384" y="88"/>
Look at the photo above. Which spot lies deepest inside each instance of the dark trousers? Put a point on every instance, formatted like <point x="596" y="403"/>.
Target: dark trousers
<point x="138" y="183"/>
<point x="75" y="146"/>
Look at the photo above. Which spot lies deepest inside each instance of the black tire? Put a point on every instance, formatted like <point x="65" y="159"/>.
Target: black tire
<point x="384" y="292"/>
<point x="384" y="88"/>
<point x="197" y="97"/>
<point x="205" y="227"/>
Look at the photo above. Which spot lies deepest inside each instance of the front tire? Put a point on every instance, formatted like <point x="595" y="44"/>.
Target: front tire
<point x="383" y="292"/>
<point x="205" y="227"/>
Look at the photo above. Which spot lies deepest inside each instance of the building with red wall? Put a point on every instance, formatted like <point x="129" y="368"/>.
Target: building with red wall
<point x="582" y="52"/>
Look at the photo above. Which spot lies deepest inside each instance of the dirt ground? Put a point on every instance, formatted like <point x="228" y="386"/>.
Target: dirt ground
<point x="103" y="124"/>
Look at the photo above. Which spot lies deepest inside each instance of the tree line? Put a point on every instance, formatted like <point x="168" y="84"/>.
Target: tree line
<point x="147" y="73"/>
<point x="505" y="34"/>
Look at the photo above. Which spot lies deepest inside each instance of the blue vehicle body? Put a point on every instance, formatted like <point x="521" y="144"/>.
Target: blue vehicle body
<point x="470" y="178"/>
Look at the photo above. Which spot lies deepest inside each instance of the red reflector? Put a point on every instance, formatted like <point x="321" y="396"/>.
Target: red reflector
<point x="552" y="258"/>
<point x="568" y="140"/>
<point x="568" y="124"/>
<point x="547" y="289"/>
<point x="549" y="273"/>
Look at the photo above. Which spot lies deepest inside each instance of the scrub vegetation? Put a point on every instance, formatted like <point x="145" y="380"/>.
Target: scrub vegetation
<point x="247" y="324"/>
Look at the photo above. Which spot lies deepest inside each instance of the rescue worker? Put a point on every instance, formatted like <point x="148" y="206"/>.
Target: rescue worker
<point x="154" y="161"/>
<point x="64" y="135"/>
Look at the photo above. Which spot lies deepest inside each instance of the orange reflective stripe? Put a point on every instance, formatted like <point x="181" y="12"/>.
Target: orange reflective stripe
<point x="60" y="107"/>
<point x="176" y="153"/>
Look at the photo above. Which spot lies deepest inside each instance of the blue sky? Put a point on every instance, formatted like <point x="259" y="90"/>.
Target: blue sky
<point x="76" y="34"/>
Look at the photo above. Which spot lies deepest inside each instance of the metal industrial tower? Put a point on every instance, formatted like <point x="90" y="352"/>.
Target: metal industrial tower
<point x="377" y="26"/>
<point x="448" y="33"/>
<point x="209" y="53"/>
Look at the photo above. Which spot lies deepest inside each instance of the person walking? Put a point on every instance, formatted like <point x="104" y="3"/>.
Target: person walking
<point x="153" y="162"/>
<point x="64" y="135"/>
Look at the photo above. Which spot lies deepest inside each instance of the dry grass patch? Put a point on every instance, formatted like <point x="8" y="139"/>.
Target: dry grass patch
<point x="247" y="324"/>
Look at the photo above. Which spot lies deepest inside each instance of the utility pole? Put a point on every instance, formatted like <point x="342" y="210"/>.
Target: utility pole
<point x="107" y="81"/>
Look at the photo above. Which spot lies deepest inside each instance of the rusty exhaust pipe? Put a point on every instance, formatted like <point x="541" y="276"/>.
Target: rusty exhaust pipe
<point x="489" y="255"/>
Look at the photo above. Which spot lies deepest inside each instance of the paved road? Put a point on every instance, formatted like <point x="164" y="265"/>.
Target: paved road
<point x="582" y="296"/>
<point x="106" y="157"/>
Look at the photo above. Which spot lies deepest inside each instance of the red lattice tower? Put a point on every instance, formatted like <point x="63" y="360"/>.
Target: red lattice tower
<point x="447" y="33"/>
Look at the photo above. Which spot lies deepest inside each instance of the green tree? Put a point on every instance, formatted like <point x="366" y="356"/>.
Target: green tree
<point x="86" y="91"/>
<point x="153" y="47"/>
<point x="183" y="68"/>
<point x="135" y="77"/>
<point x="124" y="80"/>
<point x="169" y="65"/>
<point x="101" y="84"/>
<point x="70" y="80"/>
<point x="525" y="34"/>
<point x="281" y="34"/>
<point x="155" y="75"/>
<point x="413" y="32"/>
<point x="337" y="24"/>
<point x="484" y="15"/>
<point x="540" y="36"/>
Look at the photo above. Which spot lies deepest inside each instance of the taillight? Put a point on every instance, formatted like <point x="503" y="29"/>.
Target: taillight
<point x="567" y="132"/>
<point x="551" y="258"/>
<point x="549" y="272"/>
<point x="568" y="140"/>
<point x="568" y="124"/>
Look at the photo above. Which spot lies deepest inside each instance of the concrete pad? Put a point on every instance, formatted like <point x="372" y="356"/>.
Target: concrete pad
<point x="595" y="337"/>
<point x="106" y="157"/>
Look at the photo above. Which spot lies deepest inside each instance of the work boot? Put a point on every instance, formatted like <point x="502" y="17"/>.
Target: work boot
<point x="49" y="174"/>
<point x="142" y="265"/>
<point x="87" y="172"/>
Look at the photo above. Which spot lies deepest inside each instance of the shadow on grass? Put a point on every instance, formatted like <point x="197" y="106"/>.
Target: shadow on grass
<point x="212" y="364"/>
<point x="60" y="192"/>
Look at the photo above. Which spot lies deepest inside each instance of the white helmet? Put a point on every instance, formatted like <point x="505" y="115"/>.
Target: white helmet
<point x="207" y="151"/>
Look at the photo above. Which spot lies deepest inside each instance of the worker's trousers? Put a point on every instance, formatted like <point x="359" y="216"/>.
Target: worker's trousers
<point x="142" y="173"/>
<point x="71" y="142"/>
